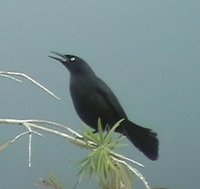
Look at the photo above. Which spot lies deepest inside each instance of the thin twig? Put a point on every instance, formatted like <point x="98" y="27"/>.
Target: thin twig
<point x="10" y="77"/>
<point x="54" y="124"/>
<point x="10" y="74"/>
<point x="29" y="143"/>
<point x="134" y="170"/>
<point x="123" y="158"/>
<point x="19" y="136"/>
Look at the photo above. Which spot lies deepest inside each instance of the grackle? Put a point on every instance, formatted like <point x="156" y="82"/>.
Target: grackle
<point x="93" y="99"/>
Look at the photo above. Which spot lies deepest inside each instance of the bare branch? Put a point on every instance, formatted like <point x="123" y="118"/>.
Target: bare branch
<point x="50" y="123"/>
<point x="123" y="158"/>
<point x="36" y="125"/>
<point x="12" y="74"/>
<point x="19" y="136"/>
<point x="10" y="77"/>
<point x="134" y="170"/>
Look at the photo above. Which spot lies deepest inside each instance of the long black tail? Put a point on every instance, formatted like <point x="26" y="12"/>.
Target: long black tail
<point x="143" y="138"/>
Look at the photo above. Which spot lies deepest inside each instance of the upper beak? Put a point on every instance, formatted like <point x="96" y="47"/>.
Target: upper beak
<point x="62" y="58"/>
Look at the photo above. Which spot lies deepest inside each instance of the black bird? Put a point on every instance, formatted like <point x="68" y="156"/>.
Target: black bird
<point x="93" y="99"/>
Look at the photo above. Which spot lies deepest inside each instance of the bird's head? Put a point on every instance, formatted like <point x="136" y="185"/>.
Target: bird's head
<point x="73" y="63"/>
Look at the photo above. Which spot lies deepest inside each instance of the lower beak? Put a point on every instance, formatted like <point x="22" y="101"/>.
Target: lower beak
<point x="62" y="58"/>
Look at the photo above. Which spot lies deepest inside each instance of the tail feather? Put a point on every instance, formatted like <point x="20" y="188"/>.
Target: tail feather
<point x="143" y="138"/>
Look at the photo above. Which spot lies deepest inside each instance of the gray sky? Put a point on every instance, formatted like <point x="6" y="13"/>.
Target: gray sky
<point x="147" y="51"/>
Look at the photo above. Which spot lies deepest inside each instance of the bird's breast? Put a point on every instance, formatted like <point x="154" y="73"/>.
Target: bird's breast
<point x="85" y="100"/>
<point x="90" y="104"/>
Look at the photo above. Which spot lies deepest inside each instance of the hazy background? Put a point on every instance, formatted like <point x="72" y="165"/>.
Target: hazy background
<point x="147" y="51"/>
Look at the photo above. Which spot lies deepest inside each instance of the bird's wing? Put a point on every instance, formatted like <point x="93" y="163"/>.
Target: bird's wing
<point x="110" y="99"/>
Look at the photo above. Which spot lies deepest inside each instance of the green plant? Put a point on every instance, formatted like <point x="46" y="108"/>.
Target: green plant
<point x="109" y="168"/>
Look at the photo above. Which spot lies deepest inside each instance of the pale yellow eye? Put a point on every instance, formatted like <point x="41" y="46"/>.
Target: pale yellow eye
<point x="72" y="59"/>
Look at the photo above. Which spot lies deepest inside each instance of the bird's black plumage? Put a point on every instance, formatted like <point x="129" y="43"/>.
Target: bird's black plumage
<point x="93" y="99"/>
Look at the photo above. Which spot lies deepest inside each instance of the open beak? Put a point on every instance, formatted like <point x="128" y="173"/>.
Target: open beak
<point x="61" y="57"/>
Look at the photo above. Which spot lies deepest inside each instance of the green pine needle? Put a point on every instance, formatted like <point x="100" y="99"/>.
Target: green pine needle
<point x="100" y="165"/>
